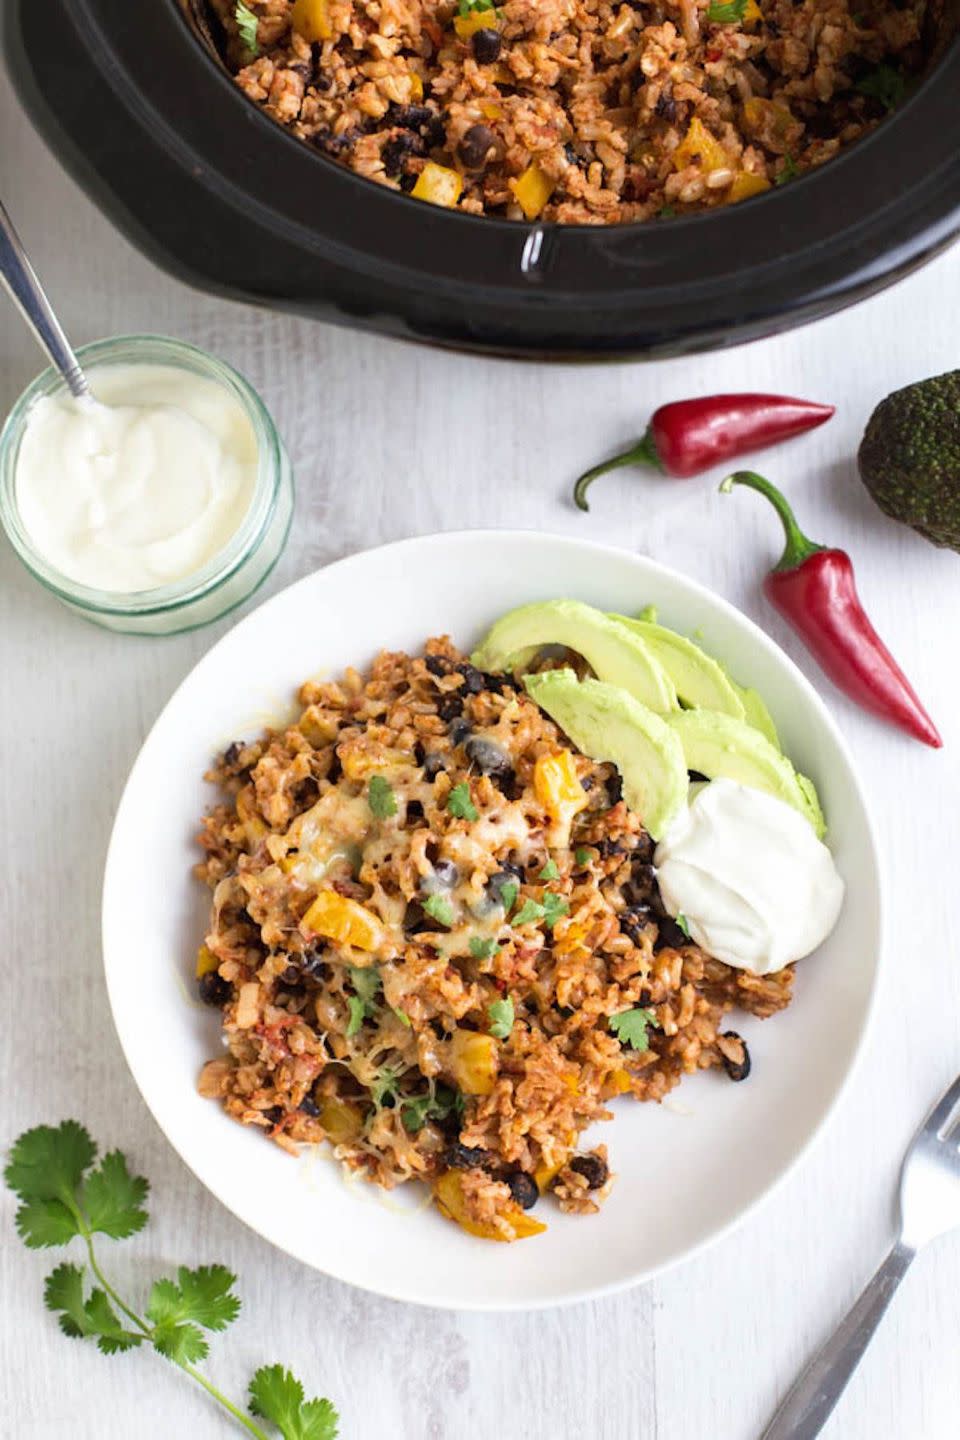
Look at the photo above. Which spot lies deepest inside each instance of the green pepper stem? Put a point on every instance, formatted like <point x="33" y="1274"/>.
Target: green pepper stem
<point x="797" y="547"/>
<point x="643" y="453"/>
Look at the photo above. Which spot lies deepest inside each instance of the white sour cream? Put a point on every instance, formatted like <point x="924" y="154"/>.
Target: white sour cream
<point x="140" y="487"/>
<point x="757" y="888"/>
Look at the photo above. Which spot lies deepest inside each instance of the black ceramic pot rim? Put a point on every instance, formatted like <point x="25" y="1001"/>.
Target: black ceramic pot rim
<point x="875" y="210"/>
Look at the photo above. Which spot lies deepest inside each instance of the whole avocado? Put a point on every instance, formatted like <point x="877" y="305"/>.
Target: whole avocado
<point x="909" y="457"/>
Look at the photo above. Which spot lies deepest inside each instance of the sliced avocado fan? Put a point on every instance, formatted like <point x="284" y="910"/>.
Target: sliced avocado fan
<point x="699" y="680"/>
<point x="720" y="746"/>
<point x="607" y="724"/>
<point x="757" y="714"/>
<point x="615" y="655"/>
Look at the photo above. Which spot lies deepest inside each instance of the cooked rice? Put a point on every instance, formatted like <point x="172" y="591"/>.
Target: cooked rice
<point x="599" y="95"/>
<point x="386" y="1051"/>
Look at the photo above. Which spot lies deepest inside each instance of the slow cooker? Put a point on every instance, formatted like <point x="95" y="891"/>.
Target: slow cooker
<point x="137" y="108"/>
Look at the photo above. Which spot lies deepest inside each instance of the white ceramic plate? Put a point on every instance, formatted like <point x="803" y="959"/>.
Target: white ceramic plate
<point x="686" y="1170"/>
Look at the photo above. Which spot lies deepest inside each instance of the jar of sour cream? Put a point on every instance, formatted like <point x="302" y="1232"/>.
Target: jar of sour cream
<point x="159" y="513"/>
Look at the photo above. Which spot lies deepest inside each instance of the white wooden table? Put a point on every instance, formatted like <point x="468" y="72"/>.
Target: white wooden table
<point x="390" y="441"/>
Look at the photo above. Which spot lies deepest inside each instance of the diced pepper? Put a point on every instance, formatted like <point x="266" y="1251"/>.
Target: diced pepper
<point x="448" y="1193"/>
<point x="745" y="184"/>
<point x="532" y="190"/>
<point x="752" y="14"/>
<point x="544" y="1175"/>
<point x="618" y="1082"/>
<point x="338" y="918"/>
<point x="367" y="759"/>
<point x="767" y="116"/>
<point x="474" y="20"/>
<point x="439" y="185"/>
<point x="699" y="144"/>
<point x="311" y="19"/>
<point x="342" y="1122"/>
<point x="205" y="962"/>
<point x="489" y="111"/>
<point x="473" y="1062"/>
<point x="416" y="86"/>
<point x="557" y="785"/>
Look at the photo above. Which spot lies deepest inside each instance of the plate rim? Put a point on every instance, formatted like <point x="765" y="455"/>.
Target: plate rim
<point x="872" y="855"/>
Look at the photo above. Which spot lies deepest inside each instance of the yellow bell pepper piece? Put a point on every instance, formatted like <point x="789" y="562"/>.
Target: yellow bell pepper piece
<point x="557" y="785"/>
<point x="416" y="86"/>
<point x="745" y="184"/>
<point x="532" y="190"/>
<point x="311" y="19"/>
<point x="448" y="1193"/>
<point x="338" y="918"/>
<point x="469" y="24"/>
<point x="759" y="113"/>
<point x="699" y="144"/>
<point x="342" y="1122"/>
<point x="206" y="962"/>
<point x="473" y="1061"/>
<point x="617" y="1083"/>
<point x="359" y="764"/>
<point x="752" y="14"/>
<point x="489" y="111"/>
<point x="439" y="185"/>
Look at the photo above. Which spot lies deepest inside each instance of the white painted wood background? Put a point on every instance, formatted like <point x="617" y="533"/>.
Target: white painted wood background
<point x="390" y="441"/>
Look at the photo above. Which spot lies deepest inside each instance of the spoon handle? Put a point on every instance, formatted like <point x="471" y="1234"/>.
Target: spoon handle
<point x="27" y="293"/>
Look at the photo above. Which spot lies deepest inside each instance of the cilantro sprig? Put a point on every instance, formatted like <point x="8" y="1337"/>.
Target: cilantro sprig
<point x="502" y="1016"/>
<point x="730" y="13"/>
<point x="64" y="1195"/>
<point x="365" y="980"/>
<point x="631" y="1026"/>
<point x="247" y="27"/>
<point x="460" y="804"/>
<point x="380" y="797"/>
<point x="884" y="84"/>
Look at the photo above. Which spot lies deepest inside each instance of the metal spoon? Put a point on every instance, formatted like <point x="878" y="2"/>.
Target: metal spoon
<point x="20" y="280"/>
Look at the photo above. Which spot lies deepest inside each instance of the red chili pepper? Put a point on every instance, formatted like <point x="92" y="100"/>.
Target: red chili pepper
<point x="689" y="436"/>
<point x="814" y="589"/>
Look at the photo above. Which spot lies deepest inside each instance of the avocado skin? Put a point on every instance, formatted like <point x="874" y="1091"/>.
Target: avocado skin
<point x="909" y="457"/>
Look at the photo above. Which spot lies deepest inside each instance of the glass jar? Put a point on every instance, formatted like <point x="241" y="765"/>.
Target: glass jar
<point x="225" y="581"/>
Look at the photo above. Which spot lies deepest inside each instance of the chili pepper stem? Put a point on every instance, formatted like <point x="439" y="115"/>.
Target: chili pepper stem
<point x="797" y="547"/>
<point x="643" y="453"/>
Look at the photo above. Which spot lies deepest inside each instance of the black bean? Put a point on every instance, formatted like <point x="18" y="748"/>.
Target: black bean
<point x="214" y="990"/>
<point x="666" y="107"/>
<point x="407" y="182"/>
<point x="336" y="769"/>
<point x="437" y="664"/>
<point x="291" y="975"/>
<point x="610" y="847"/>
<point x="274" y="1114"/>
<point x="416" y="921"/>
<point x="473" y="150"/>
<point x="463" y="1157"/>
<point x="737" y="1070"/>
<point x="524" y="1190"/>
<point x="397" y="151"/>
<point x="458" y="731"/>
<point x="447" y="873"/>
<point x="506" y="875"/>
<point x="486" y="46"/>
<point x="644" y="849"/>
<point x="414" y="810"/>
<point x="615" y="789"/>
<point x="309" y="1107"/>
<point x="592" y="1168"/>
<point x="670" y="935"/>
<point x="232" y="753"/>
<point x="635" y="922"/>
<point x="432" y="765"/>
<point x="450" y="706"/>
<point x="489" y="757"/>
<point x="312" y="961"/>
<point x="474" y="680"/>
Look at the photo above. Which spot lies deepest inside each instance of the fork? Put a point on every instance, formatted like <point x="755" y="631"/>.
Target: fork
<point x="929" y="1206"/>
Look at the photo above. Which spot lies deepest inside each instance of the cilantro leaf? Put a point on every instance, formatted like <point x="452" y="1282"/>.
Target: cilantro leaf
<point x="666" y="212"/>
<point x="630" y="1028"/>
<point x="502" y="1016"/>
<point x="682" y="923"/>
<point x="203" y="1296"/>
<point x="789" y="170"/>
<point x="482" y="948"/>
<point x="381" y="798"/>
<point x="550" y="871"/>
<point x="508" y="890"/>
<point x="582" y="855"/>
<point x="415" y="1112"/>
<point x="247" y="27"/>
<point x="460" y="804"/>
<point x="439" y="909"/>
<point x="384" y="1087"/>
<point x="277" y="1395"/>
<point x="113" y="1199"/>
<point x="529" y="910"/>
<point x="80" y="1319"/>
<point x="357" y="1013"/>
<point x="365" y="980"/>
<point x="727" y="14"/>
<point x="42" y="1223"/>
<point x="48" y="1163"/>
<point x="884" y="84"/>
<point x="183" y="1344"/>
<point x="466" y="7"/>
<point x="554" y="906"/>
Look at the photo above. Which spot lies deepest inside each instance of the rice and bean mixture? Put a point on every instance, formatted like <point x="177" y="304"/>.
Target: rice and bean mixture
<point x="437" y="942"/>
<point x="575" y="111"/>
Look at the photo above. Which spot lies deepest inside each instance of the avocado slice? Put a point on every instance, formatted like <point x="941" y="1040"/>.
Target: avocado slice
<point x="606" y="723"/>
<point x="614" y="654"/>
<point x="718" y="745"/>
<point x="757" y="714"/>
<point x="699" y="680"/>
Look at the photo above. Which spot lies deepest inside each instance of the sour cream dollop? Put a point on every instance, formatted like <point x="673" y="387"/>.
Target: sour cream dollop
<point x="140" y="487"/>
<point x="757" y="888"/>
